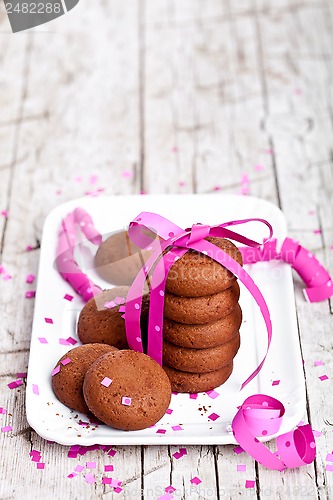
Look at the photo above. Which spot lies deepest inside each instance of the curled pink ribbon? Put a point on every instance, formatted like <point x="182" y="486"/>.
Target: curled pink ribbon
<point x="262" y="415"/>
<point x="65" y="260"/>
<point x="318" y="281"/>
<point x="173" y="242"/>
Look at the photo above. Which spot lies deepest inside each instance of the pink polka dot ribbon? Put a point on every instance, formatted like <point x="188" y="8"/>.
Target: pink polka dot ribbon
<point x="65" y="259"/>
<point x="261" y="416"/>
<point x="173" y="242"/>
<point x="318" y="281"/>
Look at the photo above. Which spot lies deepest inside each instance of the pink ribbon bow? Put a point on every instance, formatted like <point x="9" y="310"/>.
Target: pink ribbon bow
<point x="172" y="244"/>
<point x="262" y="415"/>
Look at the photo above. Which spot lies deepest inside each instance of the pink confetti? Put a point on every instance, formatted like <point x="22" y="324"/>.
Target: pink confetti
<point x="63" y="342"/>
<point x="169" y="411"/>
<point x="66" y="361"/>
<point x="68" y="297"/>
<point x="122" y="309"/>
<point x="71" y="475"/>
<point x="30" y="278"/>
<point x="195" y="480"/>
<point x="93" y="179"/>
<point x="169" y="489"/>
<point x="40" y="465"/>
<point x="7" y="428"/>
<point x="7" y="277"/>
<point x="21" y="375"/>
<point x="42" y="340"/>
<point x="55" y="370"/>
<point x="329" y="457"/>
<point x="110" y="305"/>
<point x="35" y="389"/>
<point x="241" y="468"/>
<point x="14" y="384"/>
<point x="108" y="468"/>
<point x="316" y="433"/>
<point x="90" y="478"/>
<point x="317" y="231"/>
<point x="71" y="341"/>
<point x="127" y="174"/>
<point x="259" y="168"/>
<point x="213" y="416"/>
<point x="217" y="188"/>
<point x="91" y="465"/>
<point x="275" y="382"/>
<point x="249" y="484"/>
<point x="177" y="428"/>
<point x="238" y="450"/>
<point x="174" y="149"/>
<point x="30" y="294"/>
<point x="329" y="467"/>
<point x="323" y="377"/>
<point x="212" y="394"/>
<point x="112" y="453"/>
<point x="117" y="489"/>
<point x="29" y="248"/>
<point x="179" y="454"/>
<point x="161" y="431"/>
<point x="49" y="321"/>
<point x="319" y="363"/>
<point x="193" y="396"/>
<point x="79" y="468"/>
<point x="4" y="213"/>
<point x="119" y="300"/>
<point x="106" y="480"/>
<point x="3" y="411"/>
<point x="126" y="401"/>
<point x="106" y="381"/>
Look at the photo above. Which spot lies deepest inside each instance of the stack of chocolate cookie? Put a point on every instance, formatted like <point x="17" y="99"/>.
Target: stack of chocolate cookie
<point x="202" y="318"/>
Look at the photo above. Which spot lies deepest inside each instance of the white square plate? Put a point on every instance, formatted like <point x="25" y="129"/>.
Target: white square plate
<point x="54" y="421"/>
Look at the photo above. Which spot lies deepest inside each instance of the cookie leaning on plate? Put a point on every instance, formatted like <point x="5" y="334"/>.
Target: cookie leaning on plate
<point x="101" y="321"/>
<point x="127" y="390"/>
<point x="67" y="383"/>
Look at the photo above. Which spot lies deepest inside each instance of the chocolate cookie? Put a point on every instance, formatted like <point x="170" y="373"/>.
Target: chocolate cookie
<point x="67" y="382"/>
<point x="200" y="360"/>
<point x="118" y="260"/>
<point x="100" y="320"/>
<point x="199" y="310"/>
<point x="196" y="274"/>
<point x="197" y="382"/>
<point x="206" y="335"/>
<point x="127" y="390"/>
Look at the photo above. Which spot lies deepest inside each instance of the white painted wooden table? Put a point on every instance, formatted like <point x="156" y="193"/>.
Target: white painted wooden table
<point x="165" y="96"/>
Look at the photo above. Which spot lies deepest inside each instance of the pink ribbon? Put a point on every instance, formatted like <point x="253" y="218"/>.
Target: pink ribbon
<point x="262" y="415"/>
<point x="173" y="242"/>
<point x="318" y="281"/>
<point x="65" y="260"/>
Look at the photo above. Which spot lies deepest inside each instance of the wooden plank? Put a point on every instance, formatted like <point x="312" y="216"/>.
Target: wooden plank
<point x="79" y="131"/>
<point x="300" y="127"/>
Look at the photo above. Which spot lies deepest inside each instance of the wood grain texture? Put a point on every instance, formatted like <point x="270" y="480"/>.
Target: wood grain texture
<point x="165" y="96"/>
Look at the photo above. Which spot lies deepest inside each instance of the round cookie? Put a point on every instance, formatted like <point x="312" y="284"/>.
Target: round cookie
<point x="200" y="310"/>
<point x="67" y="384"/>
<point x="100" y="320"/>
<point x="197" y="382"/>
<point x="118" y="260"/>
<point x="206" y="335"/>
<point x="196" y="274"/>
<point x="200" y="360"/>
<point x="137" y="397"/>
